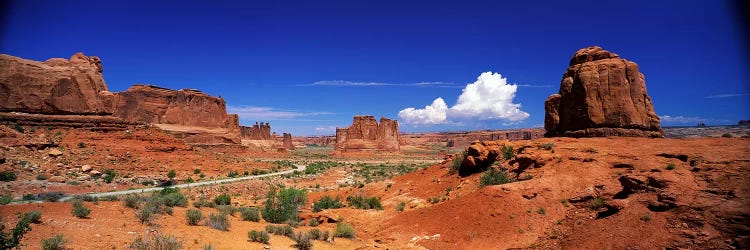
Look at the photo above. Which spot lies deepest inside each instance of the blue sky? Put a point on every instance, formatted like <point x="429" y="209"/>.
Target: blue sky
<point x="309" y="66"/>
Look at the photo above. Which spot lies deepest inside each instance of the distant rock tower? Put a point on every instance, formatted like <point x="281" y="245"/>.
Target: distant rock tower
<point x="601" y="94"/>
<point x="365" y="134"/>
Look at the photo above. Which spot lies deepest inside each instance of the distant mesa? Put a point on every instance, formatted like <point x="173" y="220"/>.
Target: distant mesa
<point x="366" y="134"/>
<point x="72" y="92"/>
<point x="601" y="94"/>
<point x="259" y="131"/>
<point x="744" y="123"/>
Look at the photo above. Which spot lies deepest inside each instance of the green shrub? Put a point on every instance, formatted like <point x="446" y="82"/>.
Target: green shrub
<point x="227" y="209"/>
<point x="313" y="222"/>
<point x="172" y="197"/>
<point x="223" y="199"/>
<point x="362" y="202"/>
<point x="41" y="177"/>
<point x="671" y="166"/>
<point x="302" y="241"/>
<point x="315" y="234"/>
<point x="156" y="242"/>
<point x="218" y="221"/>
<point x="324" y="236"/>
<point x="196" y="171"/>
<point x="494" y="177"/>
<point x="326" y="202"/>
<point x="283" y="205"/>
<point x="344" y="230"/>
<point x="34" y="216"/>
<point x="507" y="152"/>
<point x="232" y="174"/>
<point x="597" y="203"/>
<point x="79" y="210"/>
<point x="457" y="161"/>
<point x="12" y="239"/>
<point x="109" y="175"/>
<point x="132" y="201"/>
<point x="202" y="202"/>
<point x="4" y="199"/>
<point x="546" y="146"/>
<point x="81" y="145"/>
<point x="171" y="174"/>
<point x="285" y="230"/>
<point x="258" y="236"/>
<point x="55" y="243"/>
<point x="727" y="135"/>
<point x="250" y="214"/>
<point x="156" y="204"/>
<point x="319" y="167"/>
<point x="400" y="206"/>
<point x="8" y="176"/>
<point x="51" y="196"/>
<point x="193" y="216"/>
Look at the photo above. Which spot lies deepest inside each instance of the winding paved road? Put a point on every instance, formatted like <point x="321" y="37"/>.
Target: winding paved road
<point x="300" y="168"/>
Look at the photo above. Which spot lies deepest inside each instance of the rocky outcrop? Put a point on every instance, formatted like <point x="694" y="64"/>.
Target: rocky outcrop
<point x="287" y="141"/>
<point x="366" y="134"/>
<point x="187" y="107"/>
<point x="260" y="131"/>
<point x="56" y="86"/>
<point x="601" y="94"/>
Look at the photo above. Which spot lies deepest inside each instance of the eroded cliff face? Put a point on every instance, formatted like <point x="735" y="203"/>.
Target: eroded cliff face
<point x="187" y="107"/>
<point x="258" y="131"/>
<point x="366" y="134"/>
<point x="601" y="94"/>
<point x="55" y="87"/>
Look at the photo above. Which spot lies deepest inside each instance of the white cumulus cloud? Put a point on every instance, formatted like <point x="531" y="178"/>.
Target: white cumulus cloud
<point x="434" y="113"/>
<point x="490" y="97"/>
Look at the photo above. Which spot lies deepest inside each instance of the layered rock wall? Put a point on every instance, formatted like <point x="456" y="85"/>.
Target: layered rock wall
<point x="601" y="94"/>
<point x="55" y="87"/>
<point x="260" y="131"/>
<point x="366" y="134"/>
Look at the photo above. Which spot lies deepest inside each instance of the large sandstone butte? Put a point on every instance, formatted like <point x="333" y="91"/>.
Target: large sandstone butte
<point x="365" y="134"/>
<point x="56" y="86"/>
<point x="187" y="107"/>
<point x="601" y="94"/>
<point x="260" y="131"/>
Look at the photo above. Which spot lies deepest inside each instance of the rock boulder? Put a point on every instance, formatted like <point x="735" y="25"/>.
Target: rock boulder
<point x="601" y="94"/>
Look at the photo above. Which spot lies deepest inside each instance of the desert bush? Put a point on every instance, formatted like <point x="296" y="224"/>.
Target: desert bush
<point x="171" y="174"/>
<point x="51" y="196"/>
<point x="283" y="205"/>
<point x="79" y="210"/>
<point x="193" y="216"/>
<point x="344" y="230"/>
<point x="315" y="234"/>
<point x="109" y="198"/>
<point x="313" y="222"/>
<point x="18" y="128"/>
<point x="285" y="230"/>
<point x="34" y="216"/>
<point x="400" y="206"/>
<point x="326" y="202"/>
<point x="249" y="214"/>
<point x="258" y="236"/>
<point x="597" y="203"/>
<point x="227" y="209"/>
<point x="319" y="167"/>
<point x="546" y="146"/>
<point x="132" y="201"/>
<point x="507" y="152"/>
<point x="41" y="177"/>
<point x="202" y="202"/>
<point x="325" y="235"/>
<point x="218" y="221"/>
<point x="494" y="177"/>
<point x="232" y="174"/>
<point x="85" y="197"/>
<point x="157" y="241"/>
<point x="457" y="161"/>
<point x="302" y="241"/>
<point x="671" y="166"/>
<point x="81" y="145"/>
<point x="362" y="202"/>
<point x="109" y="175"/>
<point x="727" y="135"/>
<point x="8" y="176"/>
<point x="12" y="239"/>
<point x="54" y="243"/>
<point x="5" y="199"/>
<point x="223" y="199"/>
<point x="171" y="197"/>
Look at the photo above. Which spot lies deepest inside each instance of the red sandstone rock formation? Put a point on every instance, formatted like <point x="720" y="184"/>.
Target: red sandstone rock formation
<point x="366" y="134"/>
<point x="287" y="143"/>
<point x="260" y="131"/>
<point x="601" y="94"/>
<point x="56" y="86"/>
<point x="187" y="107"/>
